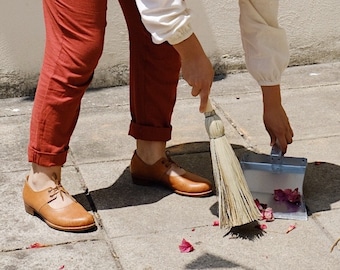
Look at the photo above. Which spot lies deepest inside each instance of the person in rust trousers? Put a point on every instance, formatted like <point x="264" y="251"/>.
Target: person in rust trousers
<point x="74" y="42"/>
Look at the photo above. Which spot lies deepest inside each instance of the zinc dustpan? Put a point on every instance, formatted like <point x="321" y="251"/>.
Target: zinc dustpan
<point x="266" y="173"/>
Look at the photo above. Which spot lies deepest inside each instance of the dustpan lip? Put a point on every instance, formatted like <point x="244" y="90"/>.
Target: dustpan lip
<point x="251" y="158"/>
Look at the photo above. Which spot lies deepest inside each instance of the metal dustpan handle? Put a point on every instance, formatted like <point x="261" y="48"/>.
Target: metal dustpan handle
<point x="276" y="158"/>
<point x="276" y="151"/>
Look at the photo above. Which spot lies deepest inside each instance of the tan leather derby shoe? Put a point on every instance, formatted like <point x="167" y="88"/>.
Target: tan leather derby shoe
<point x="169" y="174"/>
<point x="72" y="218"/>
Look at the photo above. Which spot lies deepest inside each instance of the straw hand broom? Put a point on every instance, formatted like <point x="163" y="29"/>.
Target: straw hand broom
<point x="235" y="202"/>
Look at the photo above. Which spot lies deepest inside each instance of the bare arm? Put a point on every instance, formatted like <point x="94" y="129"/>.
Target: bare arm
<point x="275" y="118"/>
<point x="196" y="68"/>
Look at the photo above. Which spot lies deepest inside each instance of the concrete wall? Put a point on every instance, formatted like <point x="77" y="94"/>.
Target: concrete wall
<point x="313" y="29"/>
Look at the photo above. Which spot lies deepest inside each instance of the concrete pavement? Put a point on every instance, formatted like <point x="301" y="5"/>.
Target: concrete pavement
<point x="142" y="227"/>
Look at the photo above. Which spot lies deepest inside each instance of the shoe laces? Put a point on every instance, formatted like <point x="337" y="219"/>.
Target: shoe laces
<point x="58" y="189"/>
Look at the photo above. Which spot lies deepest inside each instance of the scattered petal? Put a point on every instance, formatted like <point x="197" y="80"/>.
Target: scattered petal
<point x="279" y="195"/>
<point x="287" y="195"/>
<point x="185" y="247"/>
<point x="268" y="215"/>
<point x="294" y="196"/>
<point x="290" y="228"/>
<point x="193" y="229"/>
<point x="260" y="206"/>
<point x="62" y="267"/>
<point x="216" y="223"/>
<point x="266" y="212"/>
<point x="318" y="163"/>
<point x="37" y="245"/>
<point x="262" y="226"/>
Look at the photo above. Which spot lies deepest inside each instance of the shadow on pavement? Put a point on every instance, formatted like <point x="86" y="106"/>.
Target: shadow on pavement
<point x="209" y="261"/>
<point x="321" y="186"/>
<point x="123" y="193"/>
<point x="194" y="157"/>
<point x="321" y="182"/>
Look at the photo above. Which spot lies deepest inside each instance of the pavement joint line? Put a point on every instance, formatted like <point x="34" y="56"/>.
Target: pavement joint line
<point x="81" y="179"/>
<point x="51" y="245"/>
<point x="106" y="238"/>
<point x="92" y="204"/>
<point x="16" y="170"/>
<point x="245" y="138"/>
<point x="316" y="137"/>
<point x="322" y="228"/>
<point x="309" y="86"/>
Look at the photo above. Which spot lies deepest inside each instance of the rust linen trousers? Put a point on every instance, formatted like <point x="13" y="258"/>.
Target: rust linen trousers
<point x="74" y="43"/>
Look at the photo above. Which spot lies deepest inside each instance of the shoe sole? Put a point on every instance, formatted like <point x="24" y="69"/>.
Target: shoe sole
<point x="32" y="212"/>
<point x="147" y="182"/>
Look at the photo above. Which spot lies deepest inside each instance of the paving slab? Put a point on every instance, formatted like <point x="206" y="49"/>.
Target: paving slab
<point x="13" y="149"/>
<point x="142" y="227"/>
<point x="101" y="135"/>
<point x="88" y="254"/>
<point x="274" y="249"/>
<point x="306" y="108"/>
<point x="328" y="223"/>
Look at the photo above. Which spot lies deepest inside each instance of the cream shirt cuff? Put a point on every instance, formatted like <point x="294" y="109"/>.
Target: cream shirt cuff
<point x="181" y="34"/>
<point x="166" y="20"/>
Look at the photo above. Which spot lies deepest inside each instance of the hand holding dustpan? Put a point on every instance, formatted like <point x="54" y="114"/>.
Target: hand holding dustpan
<point x="236" y="204"/>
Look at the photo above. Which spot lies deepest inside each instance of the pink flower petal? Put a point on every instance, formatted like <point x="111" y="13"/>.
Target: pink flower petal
<point x="37" y="245"/>
<point x="294" y="196"/>
<point x="260" y="206"/>
<point x="216" y="223"/>
<point x="262" y="226"/>
<point x="268" y="214"/>
<point x="287" y="195"/>
<point x="290" y="228"/>
<point x="318" y="163"/>
<point x="279" y="195"/>
<point x="257" y="202"/>
<point x="185" y="247"/>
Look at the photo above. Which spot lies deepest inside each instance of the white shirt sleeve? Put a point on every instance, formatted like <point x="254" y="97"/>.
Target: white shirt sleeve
<point x="264" y="42"/>
<point x="166" y="20"/>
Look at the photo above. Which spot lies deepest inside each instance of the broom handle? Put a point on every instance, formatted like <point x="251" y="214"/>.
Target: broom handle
<point x="209" y="107"/>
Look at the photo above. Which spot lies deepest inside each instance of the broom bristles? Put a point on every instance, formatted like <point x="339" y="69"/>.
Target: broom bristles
<point x="236" y="204"/>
